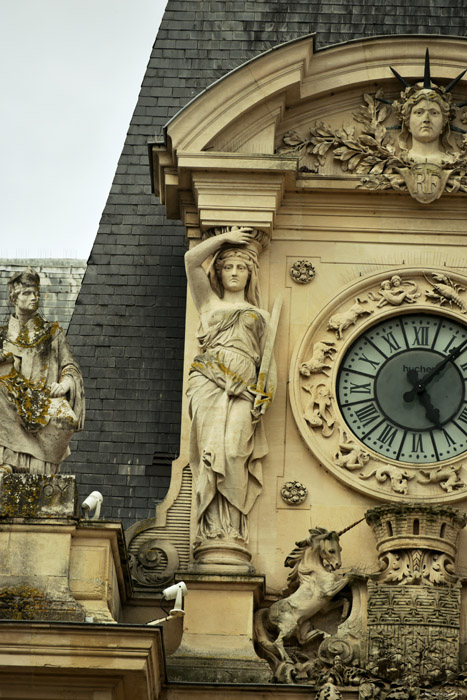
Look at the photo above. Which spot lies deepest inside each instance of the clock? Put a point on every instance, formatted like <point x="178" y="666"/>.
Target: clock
<point x="401" y="388"/>
<point x="378" y="386"/>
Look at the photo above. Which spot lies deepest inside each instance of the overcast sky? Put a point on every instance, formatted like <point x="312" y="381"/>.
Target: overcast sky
<point x="70" y="72"/>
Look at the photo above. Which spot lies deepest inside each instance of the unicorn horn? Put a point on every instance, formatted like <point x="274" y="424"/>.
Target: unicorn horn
<point x="346" y="529"/>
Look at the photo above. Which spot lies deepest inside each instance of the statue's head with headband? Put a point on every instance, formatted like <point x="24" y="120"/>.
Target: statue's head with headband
<point x="433" y="100"/>
<point x="20" y="280"/>
<point x="248" y="254"/>
<point x="426" y="98"/>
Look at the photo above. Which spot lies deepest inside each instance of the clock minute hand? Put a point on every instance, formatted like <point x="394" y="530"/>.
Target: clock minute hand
<point x="419" y="385"/>
<point x="455" y="352"/>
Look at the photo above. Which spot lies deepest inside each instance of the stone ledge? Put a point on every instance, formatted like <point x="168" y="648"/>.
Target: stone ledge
<point x="40" y="660"/>
<point x="217" y="670"/>
<point x="237" y="582"/>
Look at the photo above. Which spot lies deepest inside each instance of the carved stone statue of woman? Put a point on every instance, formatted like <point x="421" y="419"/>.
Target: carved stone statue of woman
<point x="425" y="115"/>
<point x="41" y="388"/>
<point x="227" y="439"/>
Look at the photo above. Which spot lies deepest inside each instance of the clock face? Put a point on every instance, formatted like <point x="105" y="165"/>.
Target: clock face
<point x="401" y="388"/>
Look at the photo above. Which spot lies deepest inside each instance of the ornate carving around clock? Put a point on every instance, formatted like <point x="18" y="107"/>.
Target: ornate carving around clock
<point x="447" y="477"/>
<point x="393" y="384"/>
<point x="341" y="321"/>
<point x="319" y="360"/>
<point x="395" y="291"/>
<point x="398" y="478"/>
<point x="318" y="411"/>
<point x="350" y="454"/>
<point x="407" y="145"/>
<point x="444" y="290"/>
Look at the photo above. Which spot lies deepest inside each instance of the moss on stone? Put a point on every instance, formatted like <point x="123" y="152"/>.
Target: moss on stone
<point x="21" y="498"/>
<point x="24" y="602"/>
<point x="37" y="496"/>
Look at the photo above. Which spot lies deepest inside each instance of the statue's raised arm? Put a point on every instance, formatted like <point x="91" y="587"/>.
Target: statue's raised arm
<point x="200" y="287"/>
<point x="41" y="387"/>
<point x="227" y="439"/>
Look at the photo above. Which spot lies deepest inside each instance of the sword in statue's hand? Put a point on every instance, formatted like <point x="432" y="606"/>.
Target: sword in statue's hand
<point x="263" y="398"/>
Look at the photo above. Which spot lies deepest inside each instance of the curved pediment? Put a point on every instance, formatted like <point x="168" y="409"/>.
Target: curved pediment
<point x="240" y="122"/>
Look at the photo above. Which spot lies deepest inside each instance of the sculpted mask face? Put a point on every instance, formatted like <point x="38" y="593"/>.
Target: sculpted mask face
<point x="234" y="274"/>
<point x="27" y="300"/>
<point x="426" y="121"/>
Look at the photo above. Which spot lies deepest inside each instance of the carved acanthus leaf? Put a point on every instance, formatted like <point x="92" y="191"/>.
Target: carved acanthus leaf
<point x="367" y="151"/>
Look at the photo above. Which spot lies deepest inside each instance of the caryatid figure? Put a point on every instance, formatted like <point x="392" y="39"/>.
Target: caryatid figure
<point x="226" y="400"/>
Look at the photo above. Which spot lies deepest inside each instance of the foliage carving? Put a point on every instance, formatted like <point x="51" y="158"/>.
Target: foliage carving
<point x="371" y="148"/>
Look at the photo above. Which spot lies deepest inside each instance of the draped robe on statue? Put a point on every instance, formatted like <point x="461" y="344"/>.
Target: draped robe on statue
<point x="35" y="429"/>
<point x="226" y="442"/>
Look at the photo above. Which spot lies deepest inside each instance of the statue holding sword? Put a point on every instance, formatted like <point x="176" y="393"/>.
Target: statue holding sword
<point x="231" y="383"/>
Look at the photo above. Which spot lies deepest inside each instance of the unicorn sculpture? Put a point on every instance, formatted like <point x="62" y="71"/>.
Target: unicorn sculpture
<point x="312" y="587"/>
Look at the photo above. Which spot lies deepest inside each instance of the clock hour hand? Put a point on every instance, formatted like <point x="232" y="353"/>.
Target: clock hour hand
<point x="431" y="412"/>
<point x="419" y="390"/>
<point x="412" y="376"/>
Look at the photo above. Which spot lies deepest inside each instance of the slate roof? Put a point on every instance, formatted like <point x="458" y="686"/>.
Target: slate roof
<point x="128" y="326"/>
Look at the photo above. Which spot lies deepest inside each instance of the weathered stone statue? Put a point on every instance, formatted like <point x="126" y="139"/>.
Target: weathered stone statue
<point x="313" y="583"/>
<point x="399" y="632"/>
<point x="313" y="588"/>
<point x="41" y="388"/>
<point x="227" y="438"/>
<point x="425" y="114"/>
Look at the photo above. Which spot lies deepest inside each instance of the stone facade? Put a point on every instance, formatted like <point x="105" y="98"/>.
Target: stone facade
<point x="369" y="360"/>
<point x="361" y="492"/>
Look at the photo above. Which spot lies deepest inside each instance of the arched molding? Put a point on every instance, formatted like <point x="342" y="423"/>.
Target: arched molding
<point x="225" y="140"/>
